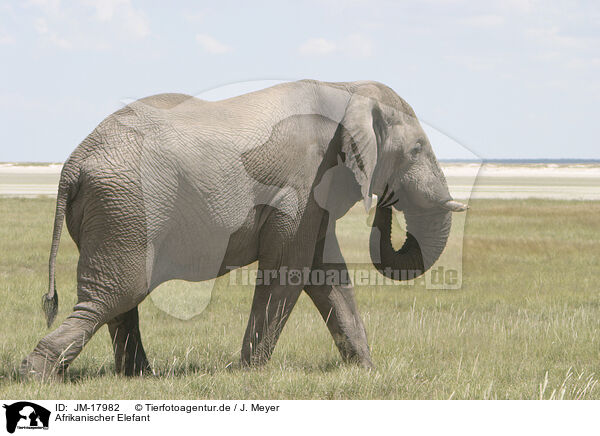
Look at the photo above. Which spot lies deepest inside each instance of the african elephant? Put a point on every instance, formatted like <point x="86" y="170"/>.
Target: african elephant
<point x="174" y="187"/>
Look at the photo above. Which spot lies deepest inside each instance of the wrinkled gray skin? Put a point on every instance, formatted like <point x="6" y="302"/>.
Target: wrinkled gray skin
<point x="173" y="187"/>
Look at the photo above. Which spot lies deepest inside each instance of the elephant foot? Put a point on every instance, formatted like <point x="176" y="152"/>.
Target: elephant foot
<point x="135" y="367"/>
<point x="354" y="349"/>
<point x="363" y="362"/>
<point x="253" y="361"/>
<point x="41" y="367"/>
<point x="355" y="358"/>
<point x="130" y="358"/>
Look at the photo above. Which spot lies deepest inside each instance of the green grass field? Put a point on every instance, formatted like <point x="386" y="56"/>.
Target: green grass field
<point x="524" y="325"/>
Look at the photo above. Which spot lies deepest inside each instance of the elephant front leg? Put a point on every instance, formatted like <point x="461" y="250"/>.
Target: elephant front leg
<point x="130" y="357"/>
<point x="337" y="305"/>
<point x="271" y="308"/>
<point x="286" y="249"/>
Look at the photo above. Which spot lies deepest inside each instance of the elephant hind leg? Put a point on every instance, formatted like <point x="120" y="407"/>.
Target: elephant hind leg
<point x="103" y="294"/>
<point x="56" y="351"/>
<point x="130" y="357"/>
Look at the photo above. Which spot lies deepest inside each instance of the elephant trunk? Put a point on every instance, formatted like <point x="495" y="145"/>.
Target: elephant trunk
<point x="426" y="237"/>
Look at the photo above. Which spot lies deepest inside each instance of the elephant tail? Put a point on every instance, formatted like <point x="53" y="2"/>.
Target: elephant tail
<point x="66" y="191"/>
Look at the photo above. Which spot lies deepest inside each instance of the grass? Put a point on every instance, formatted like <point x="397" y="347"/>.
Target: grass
<point x="524" y="325"/>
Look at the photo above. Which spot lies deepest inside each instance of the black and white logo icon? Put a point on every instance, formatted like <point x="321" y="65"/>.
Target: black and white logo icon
<point x="26" y="415"/>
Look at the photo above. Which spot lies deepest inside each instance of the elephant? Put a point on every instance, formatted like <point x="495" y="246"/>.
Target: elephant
<point x="175" y="187"/>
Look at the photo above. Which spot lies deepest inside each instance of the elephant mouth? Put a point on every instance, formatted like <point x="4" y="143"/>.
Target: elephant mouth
<point x="388" y="198"/>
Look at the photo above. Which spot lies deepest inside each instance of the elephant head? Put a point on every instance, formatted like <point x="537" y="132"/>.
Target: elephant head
<point x="388" y="152"/>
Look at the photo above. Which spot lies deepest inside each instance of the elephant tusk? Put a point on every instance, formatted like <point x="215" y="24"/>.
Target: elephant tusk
<point x="455" y="206"/>
<point x="367" y="202"/>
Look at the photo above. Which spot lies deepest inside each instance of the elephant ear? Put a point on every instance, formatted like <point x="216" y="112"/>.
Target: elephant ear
<point x="364" y="132"/>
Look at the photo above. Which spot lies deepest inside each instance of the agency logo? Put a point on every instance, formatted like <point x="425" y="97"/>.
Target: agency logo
<point x="26" y="415"/>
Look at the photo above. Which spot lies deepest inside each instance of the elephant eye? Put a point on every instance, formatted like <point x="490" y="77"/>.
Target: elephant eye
<point x="416" y="149"/>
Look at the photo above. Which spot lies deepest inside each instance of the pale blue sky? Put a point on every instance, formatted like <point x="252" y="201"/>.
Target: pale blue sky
<point x="508" y="79"/>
